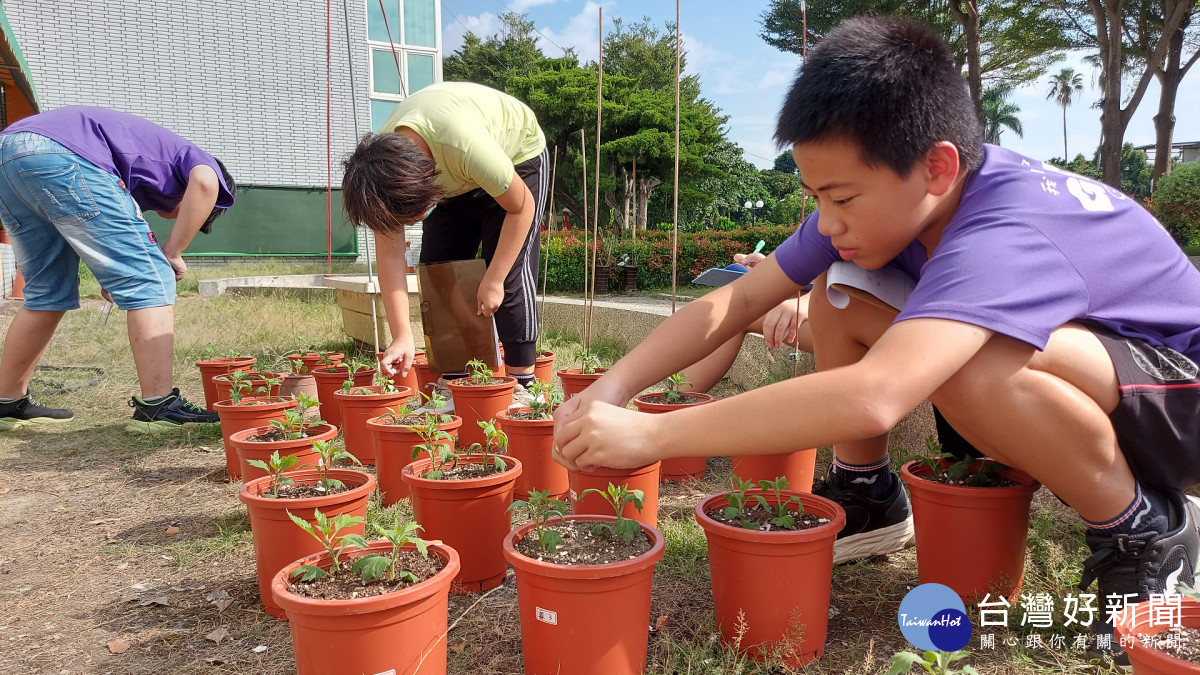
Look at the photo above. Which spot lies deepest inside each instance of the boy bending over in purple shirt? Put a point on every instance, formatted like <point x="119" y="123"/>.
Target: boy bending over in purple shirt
<point x="73" y="185"/>
<point x="1054" y="322"/>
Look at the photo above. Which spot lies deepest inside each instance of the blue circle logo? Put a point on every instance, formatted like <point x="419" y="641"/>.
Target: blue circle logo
<point x="932" y="617"/>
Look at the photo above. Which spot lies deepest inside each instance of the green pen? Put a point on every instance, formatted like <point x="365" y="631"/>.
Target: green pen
<point x="759" y="247"/>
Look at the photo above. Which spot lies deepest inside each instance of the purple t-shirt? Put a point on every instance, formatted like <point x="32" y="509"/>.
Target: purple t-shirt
<point x="1031" y="247"/>
<point x="154" y="162"/>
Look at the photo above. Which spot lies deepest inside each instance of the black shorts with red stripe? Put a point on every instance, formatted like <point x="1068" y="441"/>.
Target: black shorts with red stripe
<point x="1157" y="421"/>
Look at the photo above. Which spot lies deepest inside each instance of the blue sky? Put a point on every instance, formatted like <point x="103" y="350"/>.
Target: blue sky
<point x="747" y="78"/>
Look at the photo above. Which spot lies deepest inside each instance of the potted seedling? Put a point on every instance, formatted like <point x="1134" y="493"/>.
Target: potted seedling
<point x="367" y="607"/>
<point x="575" y="380"/>
<point x="306" y="360"/>
<point x="464" y="500"/>
<point x="356" y="404"/>
<point x="676" y="468"/>
<point x="410" y="380"/>
<point x="531" y="439"/>
<point x="543" y="365"/>
<point x="243" y="411"/>
<point x="301" y="487"/>
<point x="246" y="383"/>
<point x="398" y="430"/>
<point x="770" y="552"/>
<point x="583" y="585"/>
<point x="1159" y="634"/>
<point x="934" y="663"/>
<point x="330" y="378"/>
<point x="971" y="519"/>
<point x="212" y="367"/>
<point x="294" y="435"/>
<point x="478" y="398"/>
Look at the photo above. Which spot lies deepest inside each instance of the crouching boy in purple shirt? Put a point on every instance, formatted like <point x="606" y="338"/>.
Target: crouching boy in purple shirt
<point x="73" y="185"/>
<point x="1054" y="323"/>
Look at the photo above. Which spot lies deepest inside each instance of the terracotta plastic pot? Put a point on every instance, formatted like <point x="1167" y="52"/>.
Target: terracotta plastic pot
<point x="1140" y="619"/>
<point x="261" y="450"/>
<point x="471" y="516"/>
<point x="277" y="540"/>
<point x="575" y="381"/>
<point x="393" y="452"/>
<point x="798" y="466"/>
<point x="532" y="441"/>
<point x="312" y="360"/>
<point x="679" y="469"/>
<point x="543" y="366"/>
<point x="354" y="411"/>
<point x="474" y="404"/>
<point x="330" y="380"/>
<point x="400" y="633"/>
<point x="256" y="380"/>
<point x="253" y="411"/>
<point x="644" y="479"/>
<point x="426" y="378"/>
<point x="969" y="538"/>
<point x="210" y="368"/>
<point x="410" y="380"/>
<point x="501" y="368"/>
<point x="777" y="580"/>
<point x="299" y="384"/>
<point x="584" y="619"/>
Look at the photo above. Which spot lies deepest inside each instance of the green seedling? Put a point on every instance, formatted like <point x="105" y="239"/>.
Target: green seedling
<point x="275" y="466"/>
<point x="617" y="497"/>
<point x="328" y="532"/>
<point x="541" y="508"/>
<point x="293" y="424"/>
<point x="934" y="663"/>
<point x="480" y="373"/>
<point x="545" y="399"/>
<point x="208" y="352"/>
<point x="438" y="444"/>
<point x="495" y="440"/>
<point x="269" y="384"/>
<point x="239" y="385"/>
<point x="591" y="363"/>
<point x="782" y="515"/>
<point x="355" y="365"/>
<point x="298" y="366"/>
<point x="946" y="465"/>
<point x="325" y="359"/>
<point x="374" y="566"/>
<point x="385" y="383"/>
<point x="739" y="501"/>
<point x="674" y="383"/>
<point x="404" y="410"/>
<point x="328" y="453"/>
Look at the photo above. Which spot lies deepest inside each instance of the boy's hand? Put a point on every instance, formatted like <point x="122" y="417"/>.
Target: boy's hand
<point x="602" y="390"/>
<point x="748" y="259"/>
<point x="782" y="324"/>
<point x="490" y="296"/>
<point x="398" y="358"/>
<point x="600" y="434"/>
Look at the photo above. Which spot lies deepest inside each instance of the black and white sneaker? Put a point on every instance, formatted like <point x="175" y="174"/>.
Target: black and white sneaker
<point x="1130" y="567"/>
<point x="873" y="527"/>
<point x="169" y="412"/>
<point x="25" y="411"/>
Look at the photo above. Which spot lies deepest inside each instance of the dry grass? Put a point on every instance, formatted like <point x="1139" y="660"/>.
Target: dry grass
<point x="87" y="560"/>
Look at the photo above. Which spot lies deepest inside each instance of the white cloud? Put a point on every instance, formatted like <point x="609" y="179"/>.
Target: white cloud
<point x="452" y="34"/>
<point x="523" y="5"/>
<point x="581" y="32"/>
<point x="776" y="77"/>
<point x="700" y="56"/>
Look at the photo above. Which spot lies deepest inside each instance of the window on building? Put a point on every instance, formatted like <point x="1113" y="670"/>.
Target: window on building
<point x="413" y="31"/>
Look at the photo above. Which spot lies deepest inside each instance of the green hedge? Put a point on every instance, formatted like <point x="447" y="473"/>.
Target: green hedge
<point x="1177" y="203"/>
<point x="651" y="251"/>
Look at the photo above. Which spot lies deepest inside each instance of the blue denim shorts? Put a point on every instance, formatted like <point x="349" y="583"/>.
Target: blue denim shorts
<point x="59" y="209"/>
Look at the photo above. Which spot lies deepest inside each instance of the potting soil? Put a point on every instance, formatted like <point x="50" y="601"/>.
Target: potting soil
<point x="581" y="545"/>
<point x="348" y="584"/>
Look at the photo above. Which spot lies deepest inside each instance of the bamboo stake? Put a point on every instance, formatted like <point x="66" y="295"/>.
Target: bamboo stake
<point x="596" y="208"/>
<point x="584" y="333"/>
<point x="636" y="205"/>
<point x="675" y="214"/>
<point x="549" y="230"/>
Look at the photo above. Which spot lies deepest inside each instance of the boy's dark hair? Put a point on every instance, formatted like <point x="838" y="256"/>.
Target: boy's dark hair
<point x="888" y="85"/>
<point x="217" y="210"/>
<point x="387" y="183"/>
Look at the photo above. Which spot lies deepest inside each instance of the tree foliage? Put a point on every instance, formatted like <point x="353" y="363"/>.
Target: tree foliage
<point x="999" y="114"/>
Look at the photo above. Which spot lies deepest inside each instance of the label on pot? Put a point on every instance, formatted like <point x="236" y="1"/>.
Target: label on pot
<point x="574" y="495"/>
<point x="546" y="616"/>
<point x="387" y="672"/>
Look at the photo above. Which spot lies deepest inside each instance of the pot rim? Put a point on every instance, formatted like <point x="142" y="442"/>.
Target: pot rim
<point x="454" y="423"/>
<point x="577" y="372"/>
<point x="409" y="475"/>
<point x="401" y="392"/>
<point x="329" y="431"/>
<point x="266" y="400"/>
<point x="508" y="383"/>
<point x="598" y="472"/>
<point x="250" y="496"/>
<point x="1135" y="619"/>
<point x="913" y="473"/>
<point x="503" y="415"/>
<point x="375" y="603"/>
<point x="607" y="570"/>
<point x="655" y="407"/>
<point x="830" y="529"/>
<point x="250" y="375"/>
<point x="227" y="360"/>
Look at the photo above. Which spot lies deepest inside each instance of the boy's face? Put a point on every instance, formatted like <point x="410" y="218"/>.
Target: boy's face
<point x="870" y="212"/>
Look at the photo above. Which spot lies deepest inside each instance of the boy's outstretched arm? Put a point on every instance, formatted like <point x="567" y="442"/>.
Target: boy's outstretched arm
<point x="689" y="335"/>
<point x="907" y="364"/>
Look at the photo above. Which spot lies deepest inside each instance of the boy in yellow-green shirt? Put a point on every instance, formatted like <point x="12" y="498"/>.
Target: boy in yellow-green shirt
<point x="470" y="163"/>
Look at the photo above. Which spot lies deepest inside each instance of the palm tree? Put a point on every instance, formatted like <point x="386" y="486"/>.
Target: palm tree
<point x="1062" y="87"/>
<point x="998" y="113"/>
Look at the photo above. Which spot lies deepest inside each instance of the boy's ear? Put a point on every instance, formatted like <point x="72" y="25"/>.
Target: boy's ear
<point x="942" y="167"/>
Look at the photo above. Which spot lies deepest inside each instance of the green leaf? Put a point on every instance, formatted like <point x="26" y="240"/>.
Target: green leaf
<point x="304" y="524"/>
<point x="407" y="577"/>
<point x="550" y="539"/>
<point x="731" y="512"/>
<point x="786" y="522"/>
<point x="258" y="464"/>
<point x="627" y="529"/>
<point x="309" y="573"/>
<point x="902" y="662"/>
<point x="372" y="567"/>
<point x="355" y="540"/>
